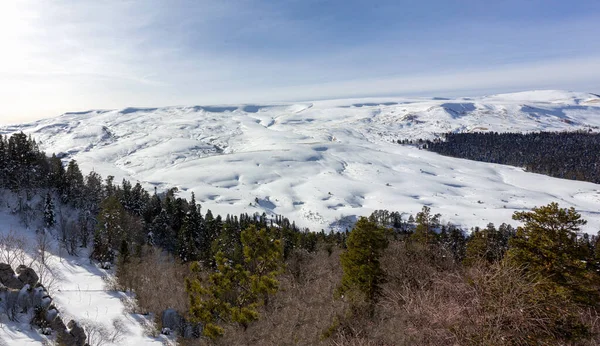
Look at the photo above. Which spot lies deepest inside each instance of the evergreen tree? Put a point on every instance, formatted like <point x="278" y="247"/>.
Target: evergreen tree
<point x="235" y="291"/>
<point x="110" y="230"/>
<point x="453" y="240"/>
<point x="426" y="225"/>
<point x="360" y="261"/>
<point x="49" y="216"/>
<point x="3" y="161"/>
<point x="189" y="234"/>
<point x="56" y="174"/>
<point x="547" y="245"/>
<point x="74" y="185"/>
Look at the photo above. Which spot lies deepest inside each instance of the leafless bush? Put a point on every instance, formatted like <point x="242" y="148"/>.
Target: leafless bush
<point x="157" y="280"/>
<point x="13" y="250"/>
<point x="68" y="233"/>
<point x="26" y="211"/>
<point x="10" y="305"/>
<point x="99" y="334"/>
<point x="302" y="310"/>
<point x="42" y="263"/>
<point x="119" y="331"/>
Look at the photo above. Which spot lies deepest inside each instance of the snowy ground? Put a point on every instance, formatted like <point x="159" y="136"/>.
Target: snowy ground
<point x="321" y="162"/>
<point x="79" y="291"/>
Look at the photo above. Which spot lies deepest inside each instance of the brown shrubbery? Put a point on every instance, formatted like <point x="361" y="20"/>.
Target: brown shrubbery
<point x="157" y="280"/>
<point x="303" y="308"/>
<point x="428" y="299"/>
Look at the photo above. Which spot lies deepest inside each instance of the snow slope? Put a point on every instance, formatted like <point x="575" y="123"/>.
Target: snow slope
<point x="324" y="163"/>
<point x="78" y="290"/>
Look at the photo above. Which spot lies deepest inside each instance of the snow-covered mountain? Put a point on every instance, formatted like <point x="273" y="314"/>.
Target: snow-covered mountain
<point x="324" y="163"/>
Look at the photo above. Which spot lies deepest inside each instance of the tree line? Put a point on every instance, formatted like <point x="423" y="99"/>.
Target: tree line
<point x="567" y="155"/>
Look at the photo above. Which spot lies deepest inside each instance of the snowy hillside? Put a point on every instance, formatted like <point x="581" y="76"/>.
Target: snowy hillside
<point x="76" y="286"/>
<point x="324" y="163"/>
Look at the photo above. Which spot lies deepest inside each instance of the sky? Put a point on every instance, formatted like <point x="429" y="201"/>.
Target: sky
<point x="58" y="55"/>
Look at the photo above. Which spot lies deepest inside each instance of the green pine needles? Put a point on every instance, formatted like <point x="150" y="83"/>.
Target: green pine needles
<point x="360" y="262"/>
<point x="234" y="292"/>
<point x="547" y="244"/>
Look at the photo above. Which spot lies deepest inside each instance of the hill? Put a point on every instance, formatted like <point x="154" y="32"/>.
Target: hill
<point x="324" y="163"/>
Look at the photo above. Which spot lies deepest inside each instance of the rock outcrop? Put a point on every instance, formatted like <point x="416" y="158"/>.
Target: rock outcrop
<point x="21" y="291"/>
<point x="27" y="275"/>
<point x="8" y="277"/>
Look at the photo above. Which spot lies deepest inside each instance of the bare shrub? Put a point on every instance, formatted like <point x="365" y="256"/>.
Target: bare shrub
<point x="430" y="301"/>
<point x="99" y="334"/>
<point x="43" y="261"/>
<point x="10" y="305"/>
<point x="156" y="279"/>
<point x="302" y="310"/>
<point x="13" y="250"/>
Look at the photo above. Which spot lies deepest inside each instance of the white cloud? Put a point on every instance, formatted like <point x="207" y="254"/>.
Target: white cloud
<point x="61" y="55"/>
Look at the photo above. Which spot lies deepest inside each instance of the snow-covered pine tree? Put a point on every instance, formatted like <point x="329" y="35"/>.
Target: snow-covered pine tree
<point x="49" y="214"/>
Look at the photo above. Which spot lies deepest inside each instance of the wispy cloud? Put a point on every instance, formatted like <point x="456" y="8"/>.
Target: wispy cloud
<point x="66" y="55"/>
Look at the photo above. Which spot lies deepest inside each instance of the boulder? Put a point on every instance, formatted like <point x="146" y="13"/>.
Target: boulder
<point x="38" y="296"/>
<point x="27" y="275"/>
<point x="56" y="323"/>
<point x="24" y="299"/>
<point x="8" y="278"/>
<point x="51" y="316"/>
<point x="77" y="332"/>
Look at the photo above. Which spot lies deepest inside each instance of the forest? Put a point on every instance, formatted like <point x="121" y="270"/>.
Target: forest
<point x="260" y="280"/>
<point x="567" y="155"/>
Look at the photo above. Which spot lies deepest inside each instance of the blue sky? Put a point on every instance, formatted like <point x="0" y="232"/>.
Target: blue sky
<point x="64" y="55"/>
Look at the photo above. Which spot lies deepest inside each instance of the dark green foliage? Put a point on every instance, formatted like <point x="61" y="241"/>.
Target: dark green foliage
<point x="547" y="153"/>
<point x="235" y="291"/>
<point x="360" y="262"/>
<point x="392" y="220"/>
<point x="489" y="244"/>
<point x="22" y="164"/>
<point x="56" y="174"/>
<point x="547" y="244"/>
<point x="111" y="229"/>
<point x="190" y="234"/>
<point x="74" y="185"/>
<point x="49" y="215"/>
<point x="452" y="239"/>
<point x="426" y="226"/>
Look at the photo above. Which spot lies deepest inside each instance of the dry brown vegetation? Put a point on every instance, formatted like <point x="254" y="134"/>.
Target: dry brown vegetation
<point x="157" y="280"/>
<point x="303" y="308"/>
<point x="428" y="299"/>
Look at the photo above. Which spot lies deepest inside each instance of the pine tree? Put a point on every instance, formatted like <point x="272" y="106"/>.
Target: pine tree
<point x="426" y="225"/>
<point x="547" y="245"/>
<point x="56" y="174"/>
<point x="360" y="261"/>
<point x="188" y="235"/>
<point x="235" y="291"/>
<point x="74" y="185"/>
<point x="110" y="230"/>
<point x="49" y="216"/>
